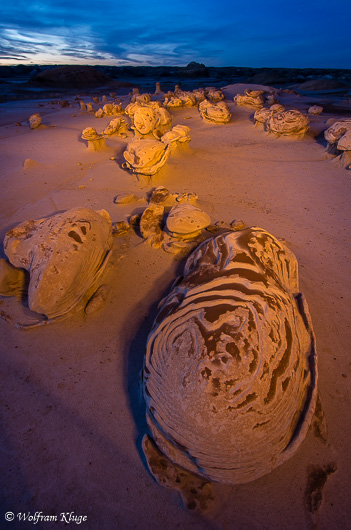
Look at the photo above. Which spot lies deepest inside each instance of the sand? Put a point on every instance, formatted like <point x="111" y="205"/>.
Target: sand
<point x="72" y="410"/>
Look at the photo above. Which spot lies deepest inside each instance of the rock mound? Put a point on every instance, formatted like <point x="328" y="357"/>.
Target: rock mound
<point x="71" y="77"/>
<point x="315" y="85"/>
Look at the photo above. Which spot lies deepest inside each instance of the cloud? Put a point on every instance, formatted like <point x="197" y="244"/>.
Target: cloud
<point x="137" y="32"/>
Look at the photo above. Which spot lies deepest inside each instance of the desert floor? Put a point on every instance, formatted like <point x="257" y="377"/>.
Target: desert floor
<point x="72" y="410"/>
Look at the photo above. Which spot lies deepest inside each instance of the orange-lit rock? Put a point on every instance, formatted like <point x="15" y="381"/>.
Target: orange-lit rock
<point x="230" y="375"/>
<point x="64" y="254"/>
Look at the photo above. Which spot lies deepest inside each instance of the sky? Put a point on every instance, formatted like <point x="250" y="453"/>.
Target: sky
<point x="254" y="33"/>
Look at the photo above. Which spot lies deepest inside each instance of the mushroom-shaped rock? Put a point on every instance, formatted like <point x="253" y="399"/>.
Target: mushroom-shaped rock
<point x="34" y="121"/>
<point x="230" y="370"/>
<point x="64" y="254"/>
<point x="251" y="98"/>
<point x="146" y="156"/>
<point x="214" y="112"/>
<point x="179" y="133"/>
<point x="186" y="220"/>
<point x="288" y="122"/>
<point x="158" y="88"/>
<point x="96" y="141"/>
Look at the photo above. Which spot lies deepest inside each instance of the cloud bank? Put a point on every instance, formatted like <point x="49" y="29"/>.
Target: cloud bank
<point x="256" y="34"/>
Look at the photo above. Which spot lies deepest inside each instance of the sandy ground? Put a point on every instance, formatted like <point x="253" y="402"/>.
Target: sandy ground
<point x="72" y="411"/>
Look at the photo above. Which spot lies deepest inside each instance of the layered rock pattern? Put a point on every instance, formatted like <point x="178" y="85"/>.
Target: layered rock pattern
<point x="288" y="122"/>
<point x="230" y="369"/>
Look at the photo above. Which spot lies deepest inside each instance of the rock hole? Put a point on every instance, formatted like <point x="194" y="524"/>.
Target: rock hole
<point x="83" y="229"/>
<point x="285" y="383"/>
<point x="206" y="373"/>
<point x="254" y="363"/>
<point x="282" y="366"/>
<point x="233" y="350"/>
<point x="216" y="383"/>
<point x="75" y="236"/>
<point x="249" y="398"/>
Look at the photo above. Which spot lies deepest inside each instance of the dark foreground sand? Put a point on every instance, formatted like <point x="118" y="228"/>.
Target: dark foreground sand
<point x="72" y="410"/>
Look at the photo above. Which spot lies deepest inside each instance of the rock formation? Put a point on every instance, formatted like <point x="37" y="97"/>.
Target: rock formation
<point x="96" y="141"/>
<point x="64" y="254"/>
<point x="288" y="122"/>
<point x="251" y="98"/>
<point x="214" y="112"/>
<point x="230" y="370"/>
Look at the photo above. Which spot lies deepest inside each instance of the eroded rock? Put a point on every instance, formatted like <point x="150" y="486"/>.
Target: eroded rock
<point x="214" y="112"/>
<point x="186" y="220"/>
<point x="151" y="224"/>
<point x="34" y="121"/>
<point x="146" y="156"/>
<point x="251" y="98"/>
<point x="288" y="123"/>
<point x="64" y="255"/>
<point x="96" y="141"/>
<point x="230" y="370"/>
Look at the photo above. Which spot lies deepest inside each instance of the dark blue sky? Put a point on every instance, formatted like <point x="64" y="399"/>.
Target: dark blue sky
<point x="256" y="33"/>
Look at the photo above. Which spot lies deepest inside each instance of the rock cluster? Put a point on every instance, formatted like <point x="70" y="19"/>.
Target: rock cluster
<point x="146" y="156"/>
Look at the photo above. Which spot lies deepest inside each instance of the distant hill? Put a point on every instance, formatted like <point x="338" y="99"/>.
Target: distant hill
<point x="71" y="77"/>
